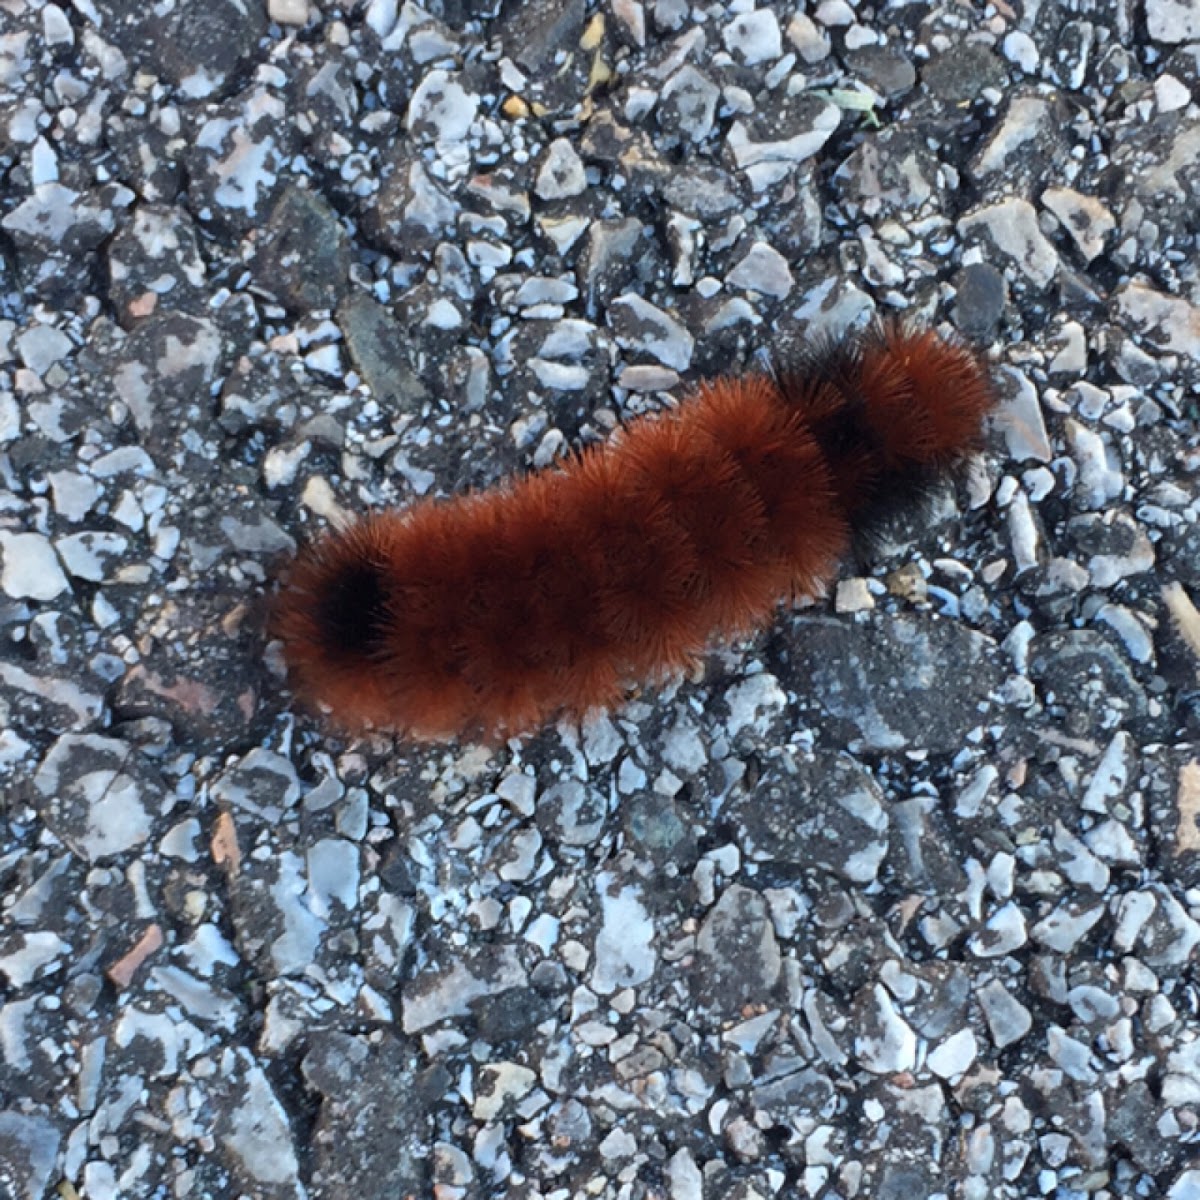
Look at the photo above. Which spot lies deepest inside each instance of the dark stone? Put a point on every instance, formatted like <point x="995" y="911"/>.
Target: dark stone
<point x="370" y="1131"/>
<point x="1086" y="680"/>
<point x="205" y="45"/>
<point x="537" y="30"/>
<point x="303" y="254"/>
<point x="737" y="955"/>
<point x="511" y="1015"/>
<point x="1133" y="1118"/>
<point x="154" y="264"/>
<point x="211" y="694"/>
<point x="886" y="69"/>
<point x="962" y="72"/>
<point x="980" y="296"/>
<point x="164" y="373"/>
<point x="903" y="682"/>
<point x="824" y="813"/>
<point x="659" y="828"/>
<point x="376" y="343"/>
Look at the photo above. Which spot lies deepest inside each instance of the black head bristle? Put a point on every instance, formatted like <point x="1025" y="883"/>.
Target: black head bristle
<point x="353" y="611"/>
<point x="879" y="488"/>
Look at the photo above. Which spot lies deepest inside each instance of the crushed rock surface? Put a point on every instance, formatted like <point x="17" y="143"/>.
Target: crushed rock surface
<point x="900" y="898"/>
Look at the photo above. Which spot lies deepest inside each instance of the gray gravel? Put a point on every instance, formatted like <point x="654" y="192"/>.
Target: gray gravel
<point x="900" y="899"/>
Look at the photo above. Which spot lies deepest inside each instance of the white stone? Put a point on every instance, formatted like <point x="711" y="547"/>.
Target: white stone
<point x="1012" y="227"/>
<point x="1129" y="628"/>
<point x="853" y="595"/>
<point x="1021" y="50"/>
<point x="754" y="37"/>
<point x="56" y="27"/>
<point x="1003" y="933"/>
<point x="684" y="1177"/>
<point x="500" y="1084"/>
<point x="1186" y="1187"/>
<point x="41" y="346"/>
<point x="624" y="944"/>
<point x="1008" y="1019"/>
<point x="748" y="153"/>
<point x="654" y="331"/>
<point x="1111" y="776"/>
<point x="259" y="1136"/>
<point x="763" y="269"/>
<point x="1100" y="478"/>
<point x="754" y="702"/>
<point x="1173" y="21"/>
<point x="562" y="172"/>
<point x="1088" y="221"/>
<point x="10" y="418"/>
<point x="441" y="102"/>
<point x="74" y="494"/>
<point x="560" y="376"/>
<point x="325" y="359"/>
<point x="1078" y="863"/>
<point x="31" y="570"/>
<point x="1063" y="929"/>
<point x="85" y="554"/>
<point x="954" y="1056"/>
<point x="646" y="377"/>
<point x="288" y="12"/>
<point x="894" y="1047"/>
<point x="1172" y="322"/>
<point x="293" y="950"/>
<point x="1171" y="94"/>
<point x="29" y="953"/>
<point x="53" y="211"/>
<point x="1022" y="533"/>
<point x="333" y="876"/>
<point x="810" y="40"/>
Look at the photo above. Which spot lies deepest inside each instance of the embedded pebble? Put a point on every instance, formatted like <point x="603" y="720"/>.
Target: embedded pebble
<point x="1021" y="421"/>
<point x="739" y="958"/>
<point x="1003" y="932"/>
<point x="953" y="1057"/>
<point x="1172" y="323"/>
<point x="441" y="108"/>
<point x="1100" y="475"/>
<point x="1022" y="533"/>
<point x="1008" y="1019"/>
<point x="688" y="100"/>
<point x="41" y="346"/>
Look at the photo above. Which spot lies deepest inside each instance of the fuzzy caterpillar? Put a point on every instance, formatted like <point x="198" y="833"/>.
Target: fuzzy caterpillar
<point x="490" y="613"/>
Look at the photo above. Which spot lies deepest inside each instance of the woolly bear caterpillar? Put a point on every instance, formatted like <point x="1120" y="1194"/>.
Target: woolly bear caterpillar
<point x="488" y="614"/>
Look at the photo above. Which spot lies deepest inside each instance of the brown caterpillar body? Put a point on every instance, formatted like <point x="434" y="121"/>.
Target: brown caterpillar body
<point x="488" y="614"/>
